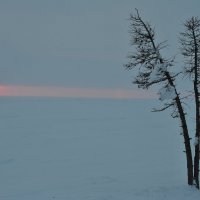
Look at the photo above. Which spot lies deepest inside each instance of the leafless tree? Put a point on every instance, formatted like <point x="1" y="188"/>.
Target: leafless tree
<point x="154" y="69"/>
<point x="190" y="49"/>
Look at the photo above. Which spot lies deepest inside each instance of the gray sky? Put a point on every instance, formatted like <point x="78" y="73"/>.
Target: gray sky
<point x="79" y="43"/>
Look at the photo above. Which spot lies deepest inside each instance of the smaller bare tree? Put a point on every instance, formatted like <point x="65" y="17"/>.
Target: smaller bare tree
<point x="190" y="48"/>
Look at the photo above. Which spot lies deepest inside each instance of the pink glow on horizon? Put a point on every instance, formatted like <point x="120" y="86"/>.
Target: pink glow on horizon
<point x="41" y="91"/>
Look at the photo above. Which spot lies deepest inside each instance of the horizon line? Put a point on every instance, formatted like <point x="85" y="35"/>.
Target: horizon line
<point x="74" y="92"/>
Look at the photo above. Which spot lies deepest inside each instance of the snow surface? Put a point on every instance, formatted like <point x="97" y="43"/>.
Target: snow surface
<point x="70" y="149"/>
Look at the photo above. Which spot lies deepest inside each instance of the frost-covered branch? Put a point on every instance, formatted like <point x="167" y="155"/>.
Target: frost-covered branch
<point x="166" y="106"/>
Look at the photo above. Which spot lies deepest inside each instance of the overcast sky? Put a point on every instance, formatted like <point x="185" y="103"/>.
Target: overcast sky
<point x="79" y="43"/>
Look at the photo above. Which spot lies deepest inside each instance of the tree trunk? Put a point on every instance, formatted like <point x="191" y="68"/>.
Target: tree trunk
<point x="186" y="142"/>
<point x="196" y="157"/>
<point x="196" y="92"/>
<point x="186" y="137"/>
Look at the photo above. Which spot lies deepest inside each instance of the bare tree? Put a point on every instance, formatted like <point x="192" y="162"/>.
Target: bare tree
<point x="154" y="69"/>
<point x="190" y="48"/>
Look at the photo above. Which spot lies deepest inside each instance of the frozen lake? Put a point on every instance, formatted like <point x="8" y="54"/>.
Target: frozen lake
<point x="81" y="149"/>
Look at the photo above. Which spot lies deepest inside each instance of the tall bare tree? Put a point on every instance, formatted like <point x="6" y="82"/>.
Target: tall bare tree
<point x="154" y="69"/>
<point x="190" y="48"/>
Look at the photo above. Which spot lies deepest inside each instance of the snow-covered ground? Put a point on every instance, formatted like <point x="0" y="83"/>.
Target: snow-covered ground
<point x="73" y="149"/>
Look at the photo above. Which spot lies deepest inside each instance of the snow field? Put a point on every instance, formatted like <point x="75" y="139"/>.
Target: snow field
<point x="81" y="149"/>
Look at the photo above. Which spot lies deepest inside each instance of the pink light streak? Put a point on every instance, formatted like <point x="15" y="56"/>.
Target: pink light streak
<point x="41" y="91"/>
